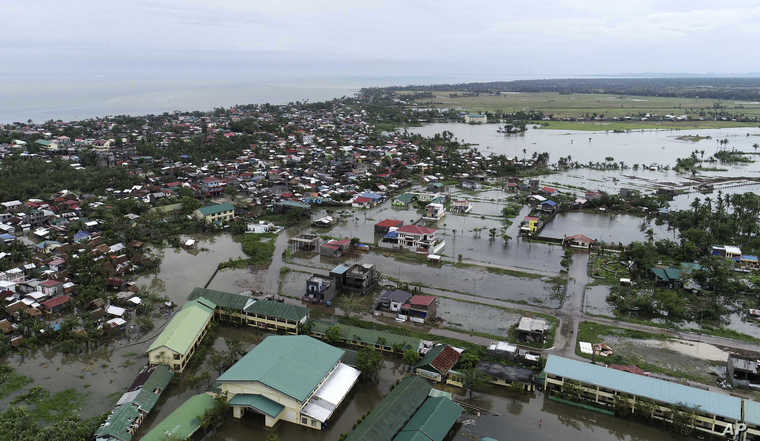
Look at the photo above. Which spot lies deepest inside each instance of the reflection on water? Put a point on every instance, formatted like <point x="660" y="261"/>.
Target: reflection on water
<point x="539" y="419"/>
<point x="610" y="228"/>
<point x="662" y="146"/>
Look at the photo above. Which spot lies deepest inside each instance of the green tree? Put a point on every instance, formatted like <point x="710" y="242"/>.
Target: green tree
<point x="472" y="378"/>
<point x="332" y="334"/>
<point x="411" y="357"/>
<point x="369" y="363"/>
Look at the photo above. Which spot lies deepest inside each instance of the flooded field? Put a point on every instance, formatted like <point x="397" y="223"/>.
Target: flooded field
<point x="651" y="146"/>
<point x="468" y="280"/>
<point x="182" y="270"/>
<point x="473" y="317"/>
<point x="596" y="301"/>
<point x="610" y="228"/>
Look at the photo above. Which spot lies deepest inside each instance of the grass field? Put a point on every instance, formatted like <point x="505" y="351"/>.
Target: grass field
<point x="573" y="105"/>
<point x="599" y="126"/>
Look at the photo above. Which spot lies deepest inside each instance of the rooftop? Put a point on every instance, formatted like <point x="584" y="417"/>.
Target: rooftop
<point x="660" y="390"/>
<point x="432" y="421"/>
<point x="292" y="364"/>
<point x="388" y="417"/>
<point x="186" y="324"/>
<point x="184" y="421"/>
<point x="209" y="210"/>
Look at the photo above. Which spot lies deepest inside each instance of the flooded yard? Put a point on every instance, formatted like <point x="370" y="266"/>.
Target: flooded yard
<point x="610" y="228"/>
<point x="596" y="301"/>
<point x="475" y="281"/>
<point x="474" y="317"/>
<point x="182" y="270"/>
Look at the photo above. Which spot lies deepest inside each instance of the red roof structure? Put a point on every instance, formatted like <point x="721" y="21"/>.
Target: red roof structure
<point x="445" y="360"/>
<point x="56" y="301"/>
<point x="580" y="238"/>
<point x="387" y="223"/>
<point x="414" y="229"/>
<point x="421" y="300"/>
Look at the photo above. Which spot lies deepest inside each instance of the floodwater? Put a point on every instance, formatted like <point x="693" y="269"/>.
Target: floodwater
<point x="459" y="233"/>
<point x="447" y="278"/>
<point x="595" y="301"/>
<point x="610" y="228"/>
<point x="182" y="270"/>
<point x="474" y="317"/>
<point x="635" y="147"/>
<point x="519" y="417"/>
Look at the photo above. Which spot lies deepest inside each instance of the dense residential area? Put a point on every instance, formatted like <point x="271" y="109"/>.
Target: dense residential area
<point x="333" y="270"/>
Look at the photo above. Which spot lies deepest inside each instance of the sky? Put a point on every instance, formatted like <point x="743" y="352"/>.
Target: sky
<point x="389" y="38"/>
<point x="67" y="56"/>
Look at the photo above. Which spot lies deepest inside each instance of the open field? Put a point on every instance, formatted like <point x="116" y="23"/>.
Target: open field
<point x="574" y="105"/>
<point x="597" y="126"/>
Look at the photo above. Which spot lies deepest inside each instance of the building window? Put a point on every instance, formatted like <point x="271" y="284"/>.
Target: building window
<point x="176" y="356"/>
<point x="176" y="367"/>
<point x="313" y="423"/>
<point x="304" y="420"/>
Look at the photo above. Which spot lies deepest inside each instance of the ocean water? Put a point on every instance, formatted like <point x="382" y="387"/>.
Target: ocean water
<point x="41" y="99"/>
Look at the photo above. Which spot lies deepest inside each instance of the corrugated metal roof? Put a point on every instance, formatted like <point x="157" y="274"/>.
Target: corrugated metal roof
<point x="258" y="402"/>
<point x="271" y="308"/>
<point x="432" y="421"/>
<point x="388" y="417"/>
<point x="224" y="300"/>
<point x="118" y="424"/>
<point x="751" y="412"/>
<point x="184" y="421"/>
<point x="153" y="387"/>
<point x="214" y="209"/>
<point x="653" y="388"/>
<point x="291" y="364"/>
<point x="368" y="336"/>
<point x="186" y="324"/>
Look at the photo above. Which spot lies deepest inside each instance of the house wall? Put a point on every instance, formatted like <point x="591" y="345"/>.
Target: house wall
<point x="292" y="407"/>
<point x="269" y="323"/>
<point x="177" y="361"/>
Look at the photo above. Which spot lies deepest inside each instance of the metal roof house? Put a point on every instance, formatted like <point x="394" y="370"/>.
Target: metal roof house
<point x="265" y="314"/>
<point x="184" y="421"/>
<point x="409" y="413"/>
<point x="217" y="213"/>
<point x="293" y="378"/>
<point x="177" y="342"/>
<point x="600" y="387"/>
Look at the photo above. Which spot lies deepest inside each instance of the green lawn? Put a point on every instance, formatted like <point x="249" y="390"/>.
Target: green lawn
<point x="601" y="126"/>
<point x="572" y="105"/>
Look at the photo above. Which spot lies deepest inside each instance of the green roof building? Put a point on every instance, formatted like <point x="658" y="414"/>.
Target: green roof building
<point x="371" y="338"/>
<point x="266" y="314"/>
<point x="408" y="413"/>
<point x="432" y="421"/>
<point x="179" y="339"/>
<point x="294" y="378"/>
<point x="217" y="213"/>
<point x="184" y="421"/>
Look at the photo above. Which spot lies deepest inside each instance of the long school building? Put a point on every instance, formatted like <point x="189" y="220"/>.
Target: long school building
<point x="180" y="338"/>
<point x="672" y="403"/>
<point x="269" y="315"/>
